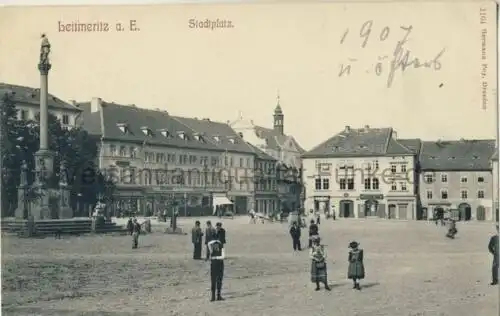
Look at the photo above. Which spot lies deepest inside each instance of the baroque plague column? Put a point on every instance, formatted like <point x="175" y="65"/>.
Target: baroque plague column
<point x="44" y="158"/>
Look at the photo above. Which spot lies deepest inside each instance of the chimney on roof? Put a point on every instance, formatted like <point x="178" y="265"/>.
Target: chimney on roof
<point x="462" y="140"/>
<point x="347" y="129"/>
<point x="394" y="134"/>
<point x="240" y="134"/>
<point x="95" y="105"/>
<point x="367" y="126"/>
<point x="73" y="103"/>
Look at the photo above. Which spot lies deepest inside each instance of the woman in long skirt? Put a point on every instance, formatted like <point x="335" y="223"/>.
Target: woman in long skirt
<point x="318" y="263"/>
<point x="356" y="270"/>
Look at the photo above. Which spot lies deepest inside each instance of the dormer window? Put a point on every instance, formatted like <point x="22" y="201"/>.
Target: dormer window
<point x="146" y="131"/>
<point x="199" y="137"/>
<point x="164" y="132"/>
<point x="335" y="148"/>
<point x="232" y="140"/>
<point x="123" y="127"/>
<point x="182" y="135"/>
<point x="451" y="158"/>
<point x="217" y="138"/>
<point x="362" y="146"/>
<point x="475" y="157"/>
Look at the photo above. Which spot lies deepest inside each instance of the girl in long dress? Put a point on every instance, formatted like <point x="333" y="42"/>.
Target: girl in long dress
<point x="356" y="270"/>
<point x="318" y="264"/>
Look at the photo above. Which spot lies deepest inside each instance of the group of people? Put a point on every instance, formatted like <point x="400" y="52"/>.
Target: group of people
<point x="215" y="239"/>
<point x="318" y="255"/>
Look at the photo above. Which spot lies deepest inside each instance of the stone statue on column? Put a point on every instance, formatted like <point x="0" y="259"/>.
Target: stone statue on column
<point x="45" y="51"/>
<point x="22" y="191"/>
<point x="65" y="210"/>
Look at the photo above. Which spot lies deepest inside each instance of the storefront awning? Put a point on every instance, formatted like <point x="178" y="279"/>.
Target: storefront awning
<point x="221" y="200"/>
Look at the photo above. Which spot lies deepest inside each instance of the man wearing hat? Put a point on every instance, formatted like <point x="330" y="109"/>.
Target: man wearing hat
<point x="220" y="233"/>
<point x="493" y="248"/>
<point x="356" y="270"/>
<point x="210" y="234"/>
<point x="217" y="256"/>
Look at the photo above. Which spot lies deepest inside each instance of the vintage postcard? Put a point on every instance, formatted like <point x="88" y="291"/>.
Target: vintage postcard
<point x="268" y="158"/>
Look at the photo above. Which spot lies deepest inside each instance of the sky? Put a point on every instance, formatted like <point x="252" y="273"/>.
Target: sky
<point x="292" y="49"/>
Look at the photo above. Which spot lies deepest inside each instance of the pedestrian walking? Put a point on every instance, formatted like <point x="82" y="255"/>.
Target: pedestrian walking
<point x="295" y="234"/>
<point x="452" y="230"/>
<point x="136" y="231"/>
<point x="318" y="263"/>
<point x="493" y="249"/>
<point x="313" y="231"/>
<point x="217" y="256"/>
<point x="356" y="270"/>
<point x="209" y="236"/>
<point x="220" y="233"/>
<point x="197" y="238"/>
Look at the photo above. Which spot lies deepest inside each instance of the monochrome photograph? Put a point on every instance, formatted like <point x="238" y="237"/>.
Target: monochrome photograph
<point x="250" y="158"/>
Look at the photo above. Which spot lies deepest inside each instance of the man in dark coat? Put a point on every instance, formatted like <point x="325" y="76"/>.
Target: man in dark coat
<point x="197" y="238"/>
<point x="209" y="236"/>
<point x="136" y="231"/>
<point x="493" y="248"/>
<point x="313" y="231"/>
<point x="130" y="226"/>
<point x="217" y="256"/>
<point x="295" y="234"/>
<point x="220" y="233"/>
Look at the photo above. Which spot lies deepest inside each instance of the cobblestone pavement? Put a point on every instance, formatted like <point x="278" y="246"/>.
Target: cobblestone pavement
<point x="412" y="269"/>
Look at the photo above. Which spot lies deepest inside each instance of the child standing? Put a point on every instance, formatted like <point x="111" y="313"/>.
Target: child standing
<point x="356" y="270"/>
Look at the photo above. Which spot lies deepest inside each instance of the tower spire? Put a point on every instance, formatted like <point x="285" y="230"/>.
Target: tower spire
<point x="278" y="97"/>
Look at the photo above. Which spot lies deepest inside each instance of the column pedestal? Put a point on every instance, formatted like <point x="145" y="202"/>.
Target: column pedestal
<point x="44" y="162"/>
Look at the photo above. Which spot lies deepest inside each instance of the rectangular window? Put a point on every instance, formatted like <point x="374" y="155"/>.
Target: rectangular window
<point x="429" y="178"/>
<point x="463" y="179"/>
<point x="429" y="194"/>
<point x="480" y="194"/>
<point x="368" y="184"/>
<point x="350" y="184"/>
<point x="444" y="194"/>
<point x="463" y="194"/>
<point x="318" y="184"/>
<point x="444" y="178"/>
<point x="403" y="168"/>
<point x="394" y="187"/>
<point x="375" y="184"/>
<point x="326" y="184"/>
<point x="112" y="150"/>
<point x="393" y="169"/>
<point x="403" y="186"/>
<point x="23" y="115"/>
<point x="65" y="119"/>
<point x="480" y="179"/>
<point x="342" y="184"/>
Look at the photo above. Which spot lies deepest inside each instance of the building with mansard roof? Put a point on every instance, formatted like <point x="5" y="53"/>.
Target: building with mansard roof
<point x="27" y="100"/>
<point x="282" y="147"/>
<point x="363" y="173"/>
<point x="156" y="158"/>
<point x="456" y="179"/>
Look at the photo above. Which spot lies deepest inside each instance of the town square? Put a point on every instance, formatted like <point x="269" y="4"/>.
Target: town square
<point x="168" y="183"/>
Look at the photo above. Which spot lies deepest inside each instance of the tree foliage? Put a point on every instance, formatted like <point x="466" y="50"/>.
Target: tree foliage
<point x="75" y="147"/>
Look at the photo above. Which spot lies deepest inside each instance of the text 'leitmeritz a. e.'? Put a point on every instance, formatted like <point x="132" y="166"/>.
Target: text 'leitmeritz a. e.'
<point x="78" y="26"/>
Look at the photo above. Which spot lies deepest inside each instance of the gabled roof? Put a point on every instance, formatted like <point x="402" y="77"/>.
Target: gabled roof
<point x="108" y="120"/>
<point x="361" y="142"/>
<point x="461" y="155"/>
<point x="274" y="139"/>
<point x="261" y="154"/>
<point x="217" y="133"/>
<point x="28" y="95"/>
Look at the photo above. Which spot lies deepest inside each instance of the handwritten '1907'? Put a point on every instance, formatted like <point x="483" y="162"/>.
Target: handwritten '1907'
<point x="401" y="57"/>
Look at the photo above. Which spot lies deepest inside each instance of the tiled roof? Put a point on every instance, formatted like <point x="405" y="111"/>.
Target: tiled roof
<point x="108" y="123"/>
<point x="217" y="133"/>
<point x="275" y="139"/>
<point x="359" y="143"/>
<point x="414" y="145"/>
<point x="261" y="154"/>
<point x="461" y="155"/>
<point x="28" y="95"/>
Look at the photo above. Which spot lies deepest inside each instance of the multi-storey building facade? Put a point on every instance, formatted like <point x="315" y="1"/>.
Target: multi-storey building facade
<point x="284" y="148"/>
<point x="361" y="173"/>
<point x="155" y="159"/>
<point x="27" y="102"/>
<point x="494" y="164"/>
<point x="266" y="189"/>
<point x="456" y="179"/>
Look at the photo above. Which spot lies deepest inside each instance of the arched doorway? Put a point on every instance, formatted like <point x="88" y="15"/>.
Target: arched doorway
<point x="438" y="213"/>
<point x="346" y="208"/>
<point x="481" y="213"/>
<point x="391" y="211"/>
<point x="371" y="208"/>
<point x="464" y="212"/>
